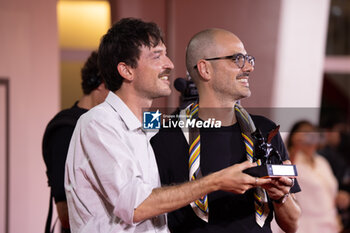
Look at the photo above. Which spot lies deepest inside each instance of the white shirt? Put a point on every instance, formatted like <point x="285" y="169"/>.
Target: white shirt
<point x="110" y="170"/>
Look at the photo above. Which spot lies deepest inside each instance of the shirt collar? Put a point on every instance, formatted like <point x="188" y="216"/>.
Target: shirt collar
<point x="129" y="118"/>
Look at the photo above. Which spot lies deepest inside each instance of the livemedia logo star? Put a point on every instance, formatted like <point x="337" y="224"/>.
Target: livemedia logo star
<point x="151" y="120"/>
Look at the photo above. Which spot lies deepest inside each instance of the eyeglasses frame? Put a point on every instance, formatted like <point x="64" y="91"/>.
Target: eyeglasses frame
<point x="233" y="57"/>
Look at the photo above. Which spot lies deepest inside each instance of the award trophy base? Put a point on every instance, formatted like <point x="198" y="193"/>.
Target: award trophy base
<point x="272" y="170"/>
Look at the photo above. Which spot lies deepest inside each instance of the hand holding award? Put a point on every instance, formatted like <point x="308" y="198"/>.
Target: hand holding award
<point x="269" y="159"/>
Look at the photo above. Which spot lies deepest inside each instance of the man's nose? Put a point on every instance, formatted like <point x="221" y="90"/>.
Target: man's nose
<point x="248" y="67"/>
<point x="168" y="63"/>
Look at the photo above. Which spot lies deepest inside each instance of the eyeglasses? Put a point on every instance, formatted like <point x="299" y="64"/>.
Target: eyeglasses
<point x="238" y="58"/>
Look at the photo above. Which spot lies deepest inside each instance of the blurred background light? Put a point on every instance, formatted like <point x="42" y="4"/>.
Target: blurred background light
<point x="82" y="23"/>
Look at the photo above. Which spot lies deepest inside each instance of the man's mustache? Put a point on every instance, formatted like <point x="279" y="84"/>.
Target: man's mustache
<point x="166" y="72"/>
<point x="244" y="74"/>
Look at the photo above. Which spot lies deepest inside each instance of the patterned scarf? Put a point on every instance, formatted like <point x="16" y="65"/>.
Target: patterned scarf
<point x="200" y="206"/>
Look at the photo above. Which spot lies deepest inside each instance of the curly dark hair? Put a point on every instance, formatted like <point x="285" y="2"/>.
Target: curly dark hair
<point x="122" y="44"/>
<point x="91" y="78"/>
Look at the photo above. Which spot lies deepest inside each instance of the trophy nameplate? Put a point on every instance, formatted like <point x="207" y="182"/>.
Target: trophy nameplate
<point x="270" y="159"/>
<point x="272" y="170"/>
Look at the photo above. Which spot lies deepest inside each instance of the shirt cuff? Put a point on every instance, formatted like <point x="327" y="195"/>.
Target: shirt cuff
<point x="130" y="197"/>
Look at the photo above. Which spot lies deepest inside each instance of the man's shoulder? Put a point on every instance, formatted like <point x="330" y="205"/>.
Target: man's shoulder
<point x="102" y="118"/>
<point x="259" y="119"/>
<point x="101" y="112"/>
<point x="68" y="115"/>
<point x="263" y="123"/>
<point x="169" y="135"/>
<point x="166" y="134"/>
<point x="64" y="118"/>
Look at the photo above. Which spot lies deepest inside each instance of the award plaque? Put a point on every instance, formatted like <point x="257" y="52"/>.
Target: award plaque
<point x="270" y="158"/>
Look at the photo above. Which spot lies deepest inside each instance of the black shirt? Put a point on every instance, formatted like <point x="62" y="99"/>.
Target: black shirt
<point x="55" y="146"/>
<point x="220" y="148"/>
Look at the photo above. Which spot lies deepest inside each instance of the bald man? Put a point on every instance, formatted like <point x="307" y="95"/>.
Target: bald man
<point x="220" y="67"/>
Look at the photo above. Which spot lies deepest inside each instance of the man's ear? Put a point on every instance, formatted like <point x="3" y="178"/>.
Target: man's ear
<point x="125" y="71"/>
<point x="102" y="86"/>
<point x="204" y="69"/>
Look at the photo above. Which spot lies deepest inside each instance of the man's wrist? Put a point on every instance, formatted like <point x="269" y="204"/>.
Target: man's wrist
<point x="281" y="200"/>
<point x="214" y="180"/>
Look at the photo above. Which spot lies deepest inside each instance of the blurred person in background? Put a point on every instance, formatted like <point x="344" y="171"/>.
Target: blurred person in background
<point x="59" y="132"/>
<point x="334" y="141"/>
<point x="315" y="176"/>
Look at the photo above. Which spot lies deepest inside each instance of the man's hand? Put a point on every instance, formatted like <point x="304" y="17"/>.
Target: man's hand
<point x="279" y="187"/>
<point x="343" y="200"/>
<point x="62" y="211"/>
<point x="232" y="179"/>
<point x="287" y="212"/>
